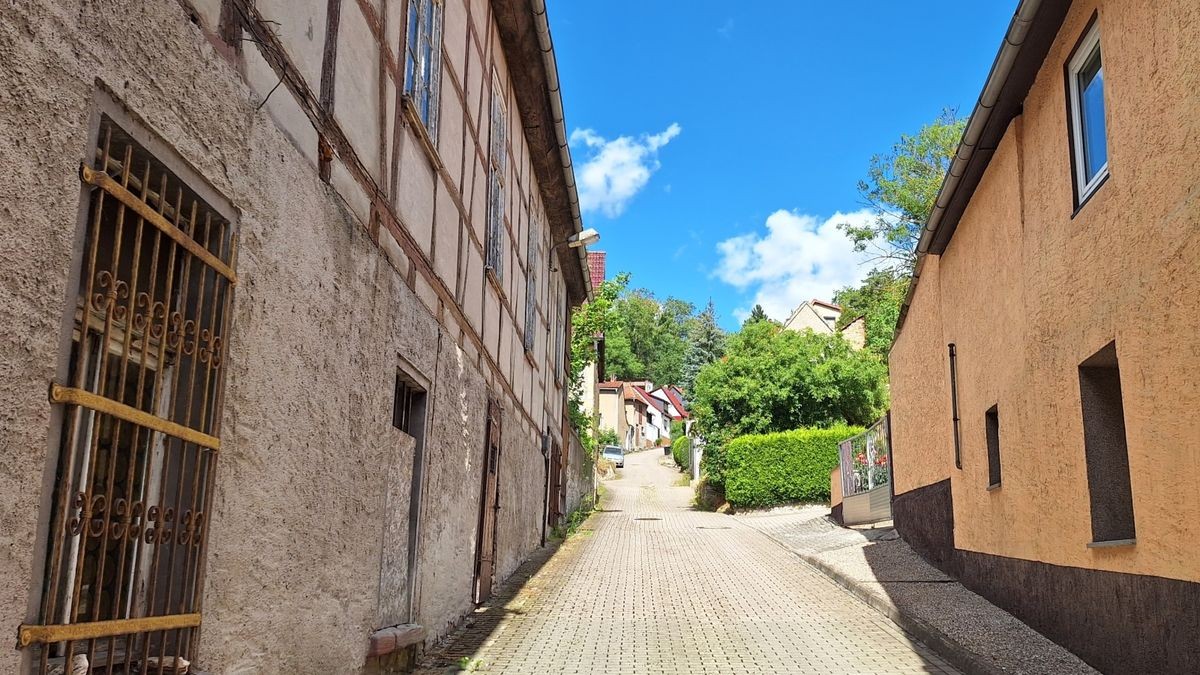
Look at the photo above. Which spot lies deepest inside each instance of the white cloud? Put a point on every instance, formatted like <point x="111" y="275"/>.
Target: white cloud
<point x="616" y="170"/>
<point x="800" y="257"/>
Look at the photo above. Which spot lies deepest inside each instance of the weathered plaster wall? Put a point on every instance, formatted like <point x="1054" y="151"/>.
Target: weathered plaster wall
<point x="580" y="474"/>
<point x="311" y="479"/>
<point x="1028" y="291"/>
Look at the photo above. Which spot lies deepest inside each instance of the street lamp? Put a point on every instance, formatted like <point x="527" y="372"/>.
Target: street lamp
<point x="584" y="238"/>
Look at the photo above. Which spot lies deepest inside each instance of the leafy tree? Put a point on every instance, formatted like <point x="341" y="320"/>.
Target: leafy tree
<point x="652" y="338"/>
<point x="756" y="314"/>
<point x="706" y="343"/>
<point x="773" y="379"/>
<point x="589" y="320"/>
<point x="878" y="299"/>
<point x="901" y="188"/>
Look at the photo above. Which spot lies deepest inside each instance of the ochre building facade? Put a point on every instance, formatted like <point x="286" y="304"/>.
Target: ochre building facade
<point x="1046" y="374"/>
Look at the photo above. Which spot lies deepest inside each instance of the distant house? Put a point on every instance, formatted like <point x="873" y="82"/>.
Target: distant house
<point x="822" y="317"/>
<point x="672" y="397"/>
<point x="656" y="424"/>
<point x="818" y="315"/>
<point x="855" y="332"/>
<point x="639" y="418"/>
<point x="610" y="409"/>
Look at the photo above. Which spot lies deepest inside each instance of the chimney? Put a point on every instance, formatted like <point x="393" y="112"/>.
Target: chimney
<point x="596" y="267"/>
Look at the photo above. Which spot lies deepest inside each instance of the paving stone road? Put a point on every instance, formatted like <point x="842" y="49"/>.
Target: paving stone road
<point x="650" y="586"/>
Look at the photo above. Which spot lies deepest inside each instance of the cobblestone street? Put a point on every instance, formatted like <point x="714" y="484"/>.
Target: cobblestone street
<point x="651" y="586"/>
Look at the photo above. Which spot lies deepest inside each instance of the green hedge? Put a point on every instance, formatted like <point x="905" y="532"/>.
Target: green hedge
<point x="681" y="450"/>
<point x="791" y="466"/>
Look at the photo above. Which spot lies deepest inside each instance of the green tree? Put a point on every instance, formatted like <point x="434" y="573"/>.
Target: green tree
<point x="706" y="343"/>
<point x="878" y="300"/>
<point x="901" y="188"/>
<point x="756" y="314"/>
<point x="597" y="317"/>
<point x="651" y="340"/>
<point x="773" y="379"/>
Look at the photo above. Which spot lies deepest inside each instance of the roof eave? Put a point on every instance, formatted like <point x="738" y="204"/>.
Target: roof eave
<point x="1030" y="34"/>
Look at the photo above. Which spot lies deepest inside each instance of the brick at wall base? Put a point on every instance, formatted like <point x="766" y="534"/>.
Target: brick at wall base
<point x="395" y="638"/>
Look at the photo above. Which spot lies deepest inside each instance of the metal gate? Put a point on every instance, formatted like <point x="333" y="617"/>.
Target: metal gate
<point x="866" y="470"/>
<point x="141" y="419"/>
<point x="489" y="506"/>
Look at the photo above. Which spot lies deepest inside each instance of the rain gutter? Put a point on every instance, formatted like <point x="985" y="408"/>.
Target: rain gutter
<point x="542" y="24"/>
<point x="982" y="133"/>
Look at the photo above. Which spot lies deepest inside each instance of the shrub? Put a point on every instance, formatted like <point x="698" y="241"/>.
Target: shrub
<point x="607" y="437"/>
<point x="791" y="466"/>
<point x="681" y="450"/>
<point x="713" y="463"/>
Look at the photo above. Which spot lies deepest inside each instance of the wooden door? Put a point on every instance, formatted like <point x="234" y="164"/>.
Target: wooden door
<point x="555" y="511"/>
<point x="489" y="505"/>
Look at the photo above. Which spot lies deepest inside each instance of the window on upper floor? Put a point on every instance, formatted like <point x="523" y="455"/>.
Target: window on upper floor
<point x="423" y="60"/>
<point x="498" y="160"/>
<point x="531" y="280"/>
<point x="1089" y="142"/>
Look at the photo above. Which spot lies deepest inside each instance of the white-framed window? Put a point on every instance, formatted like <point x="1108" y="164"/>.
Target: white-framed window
<point x="498" y="157"/>
<point x="423" y="60"/>
<point x="1089" y="142"/>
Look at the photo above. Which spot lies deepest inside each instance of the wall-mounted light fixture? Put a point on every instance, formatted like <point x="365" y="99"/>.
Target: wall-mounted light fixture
<point x="584" y="238"/>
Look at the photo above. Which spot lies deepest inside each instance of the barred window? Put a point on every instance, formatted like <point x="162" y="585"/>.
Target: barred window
<point x="423" y="60"/>
<point x="141" y="419"/>
<point x="562" y="316"/>
<point x="499" y="161"/>
<point x="531" y="281"/>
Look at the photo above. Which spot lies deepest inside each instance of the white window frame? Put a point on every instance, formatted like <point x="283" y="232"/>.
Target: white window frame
<point x="424" y="46"/>
<point x="1088" y="47"/>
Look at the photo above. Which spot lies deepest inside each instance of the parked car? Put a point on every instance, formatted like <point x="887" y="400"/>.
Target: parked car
<point x="615" y="455"/>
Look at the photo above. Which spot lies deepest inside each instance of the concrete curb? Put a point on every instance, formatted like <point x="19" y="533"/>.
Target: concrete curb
<point x="960" y="657"/>
<point x="957" y="655"/>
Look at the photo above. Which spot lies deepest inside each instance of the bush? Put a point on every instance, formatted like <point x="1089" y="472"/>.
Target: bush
<point x="681" y="450"/>
<point x="607" y="437"/>
<point x="791" y="466"/>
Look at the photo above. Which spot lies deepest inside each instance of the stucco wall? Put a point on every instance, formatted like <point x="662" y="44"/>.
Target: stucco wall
<point x="922" y="439"/>
<point x="313" y="479"/>
<point x="1028" y="291"/>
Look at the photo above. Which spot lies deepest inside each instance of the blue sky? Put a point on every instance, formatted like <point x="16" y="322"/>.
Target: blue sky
<point x="718" y="144"/>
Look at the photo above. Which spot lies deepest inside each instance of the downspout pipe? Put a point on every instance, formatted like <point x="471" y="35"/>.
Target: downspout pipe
<point x="1014" y="38"/>
<point x="542" y="23"/>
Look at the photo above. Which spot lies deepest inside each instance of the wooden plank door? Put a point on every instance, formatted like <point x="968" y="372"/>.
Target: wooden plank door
<point x="489" y="506"/>
<point x="554" y="516"/>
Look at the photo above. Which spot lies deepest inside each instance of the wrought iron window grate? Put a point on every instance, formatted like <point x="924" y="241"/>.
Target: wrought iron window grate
<point x="141" y="419"/>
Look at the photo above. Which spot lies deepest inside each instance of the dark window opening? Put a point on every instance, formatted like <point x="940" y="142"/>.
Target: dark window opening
<point x="1105" y="447"/>
<point x="141" y="409"/>
<point x="992" y="425"/>
<point x="954" y="405"/>
<point x="408" y="408"/>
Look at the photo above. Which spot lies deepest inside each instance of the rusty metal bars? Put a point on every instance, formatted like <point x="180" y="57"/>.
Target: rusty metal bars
<point x="140" y="435"/>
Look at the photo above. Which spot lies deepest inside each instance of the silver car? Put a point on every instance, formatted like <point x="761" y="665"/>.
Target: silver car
<point x="615" y="455"/>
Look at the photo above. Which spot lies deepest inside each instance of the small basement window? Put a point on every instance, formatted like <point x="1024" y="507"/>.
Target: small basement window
<point x="992" y="426"/>
<point x="1089" y="144"/>
<point x="408" y="408"/>
<point x="1105" y="448"/>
